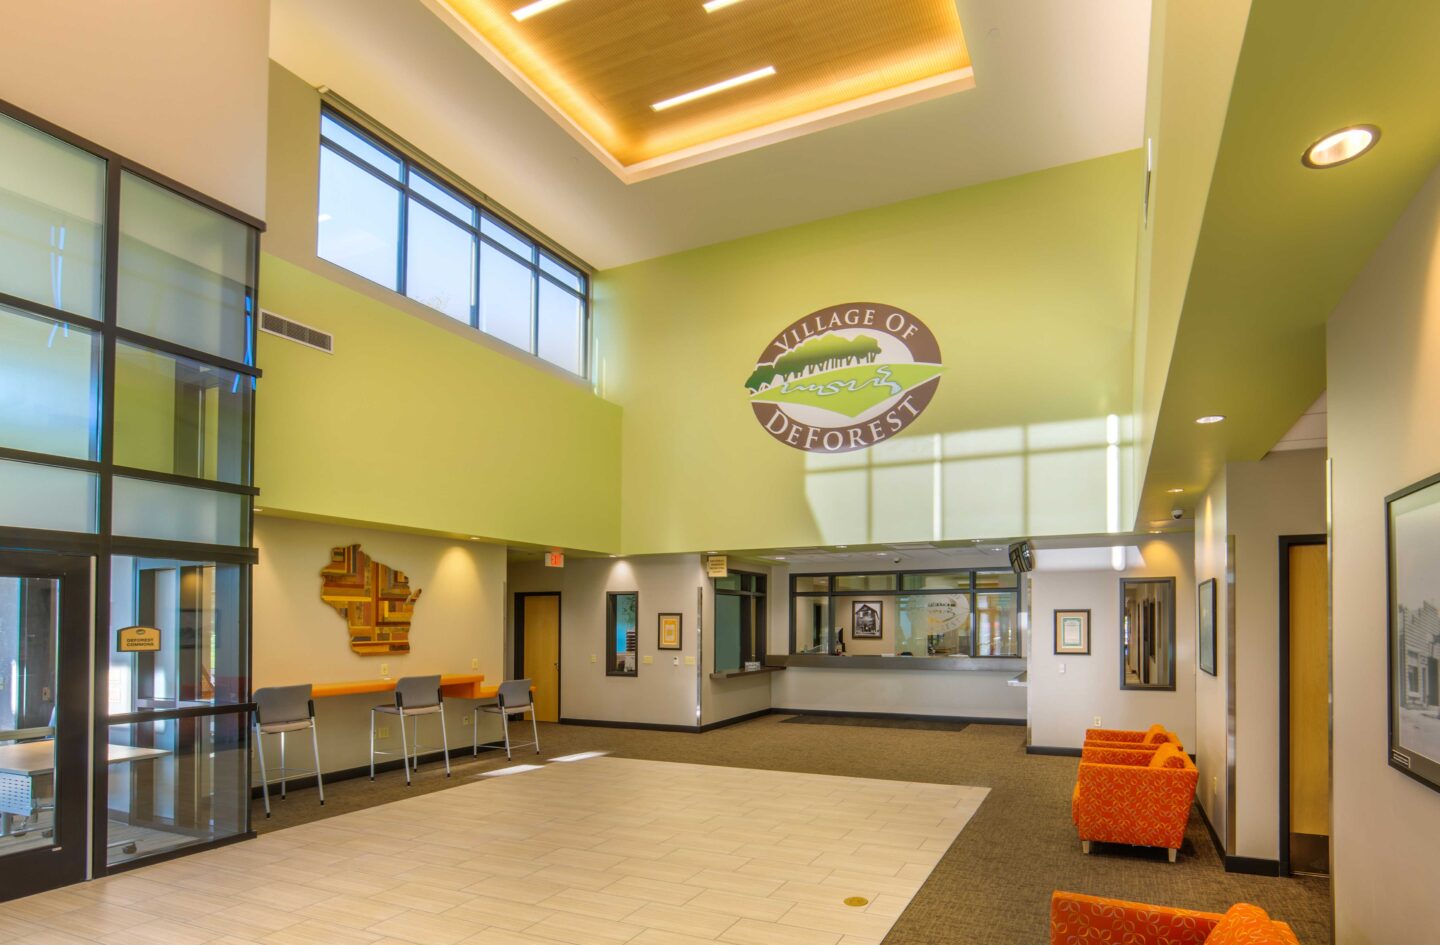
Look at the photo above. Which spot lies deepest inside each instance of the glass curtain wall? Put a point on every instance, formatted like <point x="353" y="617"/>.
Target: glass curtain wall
<point x="127" y="380"/>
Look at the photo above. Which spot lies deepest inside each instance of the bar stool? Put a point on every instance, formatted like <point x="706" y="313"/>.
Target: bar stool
<point x="513" y="698"/>
<point x="414" y="696"/>
<point x="278" y="710"/>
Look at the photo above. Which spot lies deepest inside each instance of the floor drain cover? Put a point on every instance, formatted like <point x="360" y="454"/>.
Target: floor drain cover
<point x="856" y="901"/>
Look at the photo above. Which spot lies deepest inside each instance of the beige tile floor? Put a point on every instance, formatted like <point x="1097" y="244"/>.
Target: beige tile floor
<point x="602" y="851"/>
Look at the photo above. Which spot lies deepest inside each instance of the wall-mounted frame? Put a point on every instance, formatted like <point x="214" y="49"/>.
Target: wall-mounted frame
<point x="1147" y="633"/>
<point x="1412" y="564"/>
<point x="1205" y="604"/>
<point x="1072" y="632"/>
<point x="622" y="633"/>
<point x="867" y="620"/>
<point x="669" y="630"/>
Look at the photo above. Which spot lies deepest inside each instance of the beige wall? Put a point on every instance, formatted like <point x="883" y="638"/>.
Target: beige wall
<point x="298" y="638"/>
<point x="1211" y="748"/>
<point x="1384" y="388"/>
<point x="178" y="87"/>
<point x="1061" y="705"/>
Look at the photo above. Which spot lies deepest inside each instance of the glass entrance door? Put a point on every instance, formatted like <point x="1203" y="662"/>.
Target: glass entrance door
<point x="44" y="720"/>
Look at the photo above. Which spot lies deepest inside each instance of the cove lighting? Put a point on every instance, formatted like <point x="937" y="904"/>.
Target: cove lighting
<point x="531" y="9"/>
<point x="714" y="5"/>
<point x="1212" y="418"/>
<point x="1174" y="491"/>
<point x="1340" y="147"/>
<point x="721" y="86"/>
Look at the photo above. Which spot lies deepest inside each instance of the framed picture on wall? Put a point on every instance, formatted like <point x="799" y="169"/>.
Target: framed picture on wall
<point x="1072" y="632"/>
<point x="1205" y="617"/>
<point x="866" y="621"/>
<point x="1412" y="533"/>
<point x="668" y="629"/>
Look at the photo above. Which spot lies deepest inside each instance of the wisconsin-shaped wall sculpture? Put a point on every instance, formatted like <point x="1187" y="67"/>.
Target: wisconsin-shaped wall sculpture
<point x="374" y="598"/>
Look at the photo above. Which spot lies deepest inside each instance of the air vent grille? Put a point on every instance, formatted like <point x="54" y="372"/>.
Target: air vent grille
<point x="295" y="331"/>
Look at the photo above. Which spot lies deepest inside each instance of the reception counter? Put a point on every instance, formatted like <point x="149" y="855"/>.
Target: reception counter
<point x="951" y="687"/>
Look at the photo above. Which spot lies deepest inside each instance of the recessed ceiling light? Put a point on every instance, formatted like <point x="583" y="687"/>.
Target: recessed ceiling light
<point x="779" y="557"/>
<point x="842" y="546"/>
<point x="1341" y="147"/>
<point x="1211" y="418"/>
<point x="257" y="509"/>
<point x="721" y="86"/>
<point x="1174" y="491"/>
<point x="714" y="5"/>
<point x="530" y="9"/>
<point x="474" y="537"/>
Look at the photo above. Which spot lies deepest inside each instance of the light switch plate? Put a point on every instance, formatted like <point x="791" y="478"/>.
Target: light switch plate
<point x="384" y="669"/>
<point x="674" y="661"/>
<point x="592" y="657"/>
<point x="474" y="662"/>
<point x="647" y="660"/>
<point x="1062" y="669"/>
<point x="689" y="661"/>
<point x="1097" y="721"/>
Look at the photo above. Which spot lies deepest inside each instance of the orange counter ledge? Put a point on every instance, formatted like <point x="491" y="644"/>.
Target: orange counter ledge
<point x="465" y="686"/>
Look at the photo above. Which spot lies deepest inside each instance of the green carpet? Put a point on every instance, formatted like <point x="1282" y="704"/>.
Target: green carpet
<point x="992" y="886"/>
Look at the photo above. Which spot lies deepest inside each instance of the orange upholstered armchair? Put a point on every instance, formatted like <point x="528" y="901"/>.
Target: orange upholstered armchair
<point x="1135" y="797"/>
<point x="1091" y="920"/>
<point x="1148" y="740"/>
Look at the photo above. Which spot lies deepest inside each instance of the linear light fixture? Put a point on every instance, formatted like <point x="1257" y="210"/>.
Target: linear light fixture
<point x="712" y="89"/>
<point x="714" y="5"/>
<point x="531" y="9"/>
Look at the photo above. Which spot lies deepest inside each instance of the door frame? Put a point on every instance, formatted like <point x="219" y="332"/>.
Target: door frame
<point x="1286" y="543"/>
<point x="518" y="669"/>
<point x="39" y="870"/>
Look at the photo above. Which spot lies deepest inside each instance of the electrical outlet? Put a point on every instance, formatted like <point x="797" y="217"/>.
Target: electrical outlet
<point x="689" y="661"/>
<point x="592" y="657"/>
<point x="465" y="719"/>
<point x="384" y="669"/>
<point x="647" y="660"/>
<point x="44" y="693"/>
<point x="674" y="661"/>
<point x="474" y="662"/>
<point x="1062" y="669"/>
<point x="1097" y="721"/>
<point x="382" y="733"/>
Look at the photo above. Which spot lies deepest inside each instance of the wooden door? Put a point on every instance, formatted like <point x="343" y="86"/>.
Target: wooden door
<point x="542" y="653"/>
<point x="1309" y="710"/>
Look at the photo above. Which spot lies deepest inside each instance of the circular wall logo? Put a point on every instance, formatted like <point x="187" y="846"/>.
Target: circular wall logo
<point x="846" y="377"/>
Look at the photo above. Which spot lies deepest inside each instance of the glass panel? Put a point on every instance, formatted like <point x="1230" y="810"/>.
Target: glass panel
<point x="175" y="783"/>
<point x="949" y="581"/>
<point x="195" y="607"/>
<point x="562" y="272"/>
<point x="1147" y="633"/>
<point x="443" y="197"/>
<point x="933" y="625"/>
<point x="622" y="621"/>
<point x="507" y="237"/>
<point x="811" y="583"/>
<point x="864" y="582"/>
<point x="439" y="263"/>
<point x="506" y="297"/>
<point x="145" y="509"/>
<point x="730" y="582"/>
<point x="747" y="582"/>
<point x="52" y="206"/>
<point x="180" y="416"/>
<point x="727" y="632"/>
<point x="359" y="222"/>
<point x="812" y="624"/>
<point x="997" y="630"/>
<point x="988" y="579"/>
<point x="36" y="496"/>
<point x="49" y="386"/>
<point x="185" y="270"/>
<point x="562" y="328"/>
<point x="29" y="666"/>
<point x="360" y="146"/>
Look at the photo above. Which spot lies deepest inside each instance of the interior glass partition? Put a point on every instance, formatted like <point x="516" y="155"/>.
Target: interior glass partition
<point x="127" y="379"/>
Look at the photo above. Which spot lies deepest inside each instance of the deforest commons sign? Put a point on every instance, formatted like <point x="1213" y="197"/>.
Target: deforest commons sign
<point x="845" y="378"/>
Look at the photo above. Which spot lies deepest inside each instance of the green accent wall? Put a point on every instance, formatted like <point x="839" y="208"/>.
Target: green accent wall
<point x="1028" y="285"/>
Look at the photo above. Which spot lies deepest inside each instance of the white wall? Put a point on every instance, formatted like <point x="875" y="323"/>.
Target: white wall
<point x="663" y="692"/>
<point x="298" y="638"/>
<point x="179" y="87"/>
<point x="1384" y="401"/>
<point x="1063" y="704"/>
<point x="972" y="694"/>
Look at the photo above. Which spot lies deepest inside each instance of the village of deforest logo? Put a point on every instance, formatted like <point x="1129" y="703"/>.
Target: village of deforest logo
<point x="845" y="378"/>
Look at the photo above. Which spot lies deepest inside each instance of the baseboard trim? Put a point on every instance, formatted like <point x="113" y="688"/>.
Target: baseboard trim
<point x="734" y="720"/>
<point x="843" y="713"/>
<point x="642" y="726"/>
<point x="363" y="771"/>
<point x="1052" y="750"/>
<point x="1252" y="866"/>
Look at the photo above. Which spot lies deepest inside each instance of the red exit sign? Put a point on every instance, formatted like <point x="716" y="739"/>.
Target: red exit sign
<point x="554" y="559"/>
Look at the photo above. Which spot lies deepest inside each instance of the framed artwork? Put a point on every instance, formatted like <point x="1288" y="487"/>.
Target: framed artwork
<point x="1412" y="537"/>
<point x="1072" y="632"/>
<point x="865" y="620"/>
<point x="668" y="628"/>
<point x="1205" y="616"/>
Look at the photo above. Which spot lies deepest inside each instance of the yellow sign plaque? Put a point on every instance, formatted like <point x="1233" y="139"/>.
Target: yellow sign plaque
<point x="717" y="566"/>
<point x="137" y="640"/>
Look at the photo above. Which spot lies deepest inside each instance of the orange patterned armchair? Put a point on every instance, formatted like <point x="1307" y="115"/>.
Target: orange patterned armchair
<point x="1148" y="740"/>
<point x="1135" y="797"/>
<point x="1091" y="920"/>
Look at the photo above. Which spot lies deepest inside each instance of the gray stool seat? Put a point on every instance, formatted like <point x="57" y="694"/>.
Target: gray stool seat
<point x="512" y="698"/>
<point x="414" y="696"/>
<point x="278" y="710"/>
